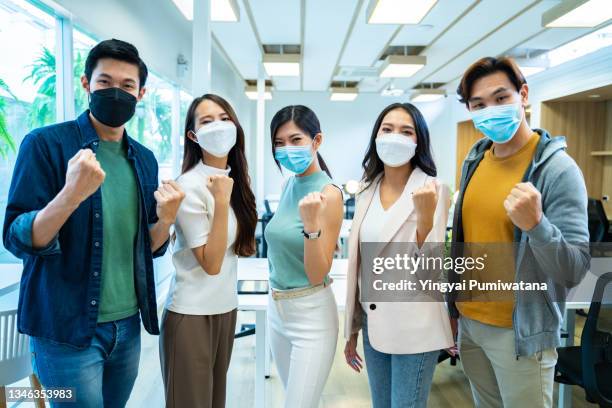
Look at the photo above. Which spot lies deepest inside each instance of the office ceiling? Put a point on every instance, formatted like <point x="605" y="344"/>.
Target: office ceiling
<point x="337" y="43"/>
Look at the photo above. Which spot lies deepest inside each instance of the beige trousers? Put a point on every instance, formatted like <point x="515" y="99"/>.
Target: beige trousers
<point x="497" y="377"/>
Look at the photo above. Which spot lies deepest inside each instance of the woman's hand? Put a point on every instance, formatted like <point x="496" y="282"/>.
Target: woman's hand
<point x="311" y="207"/>
<point x="220" y="187"/>
<point x="353" y="359"/>
<point x="425" y="201"/>
<point x="454" y="350"/>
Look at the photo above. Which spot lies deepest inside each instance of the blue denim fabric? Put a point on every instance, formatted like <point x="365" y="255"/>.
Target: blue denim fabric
<point x="60" y="285"/>
<point x="398" y="380"/>
<point x="102" y="375"/>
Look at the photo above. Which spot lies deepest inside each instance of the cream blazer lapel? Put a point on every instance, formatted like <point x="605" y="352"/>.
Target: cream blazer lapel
<point x="402" y="208"/>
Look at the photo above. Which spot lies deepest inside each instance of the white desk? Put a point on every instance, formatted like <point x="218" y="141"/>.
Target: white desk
<point x="257" y="269"/>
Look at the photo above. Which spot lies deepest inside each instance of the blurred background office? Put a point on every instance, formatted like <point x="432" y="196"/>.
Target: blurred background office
<point x="345" y="59"/>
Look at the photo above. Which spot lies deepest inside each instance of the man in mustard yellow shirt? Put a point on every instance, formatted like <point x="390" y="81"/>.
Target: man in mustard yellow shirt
<point x="518" y="185"/>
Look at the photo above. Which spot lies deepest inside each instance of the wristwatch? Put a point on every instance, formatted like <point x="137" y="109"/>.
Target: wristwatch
<point x="311" y="235"/>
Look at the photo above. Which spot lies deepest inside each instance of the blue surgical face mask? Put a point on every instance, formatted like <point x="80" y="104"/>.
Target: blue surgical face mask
<point x="294" y="158"/>
<point x="499" y="123"/>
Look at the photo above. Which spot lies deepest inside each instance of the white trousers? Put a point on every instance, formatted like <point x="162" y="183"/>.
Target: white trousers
<point x="303" y="337"/>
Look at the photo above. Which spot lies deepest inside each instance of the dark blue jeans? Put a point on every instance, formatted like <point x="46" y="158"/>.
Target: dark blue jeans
<point x="101" y="375"/>
<point x="398" y="380"/>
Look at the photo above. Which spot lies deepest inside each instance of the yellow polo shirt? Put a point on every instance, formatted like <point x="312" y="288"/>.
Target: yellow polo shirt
<point x="485" y="221"/>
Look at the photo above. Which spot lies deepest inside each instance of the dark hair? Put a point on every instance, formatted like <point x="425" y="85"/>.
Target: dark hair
<point x="487" y="66"/>
<point x="242" y="199"/>
<point x="305" y="119"/>
<point x="118" y="50"/>
<point x="373" y="166"/>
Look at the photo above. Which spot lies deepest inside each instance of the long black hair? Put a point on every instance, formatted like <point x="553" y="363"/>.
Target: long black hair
<point x="305" y="119"/>
<point x="373" y="166"/>
<point x="242" y="199"/>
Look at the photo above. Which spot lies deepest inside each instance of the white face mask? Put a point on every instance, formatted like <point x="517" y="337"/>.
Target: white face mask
<point x="217" y="137"/>
<point x="395" y="149"/>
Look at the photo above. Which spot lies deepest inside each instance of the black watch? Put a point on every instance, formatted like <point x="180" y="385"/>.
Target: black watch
<point x="311" y="235"/>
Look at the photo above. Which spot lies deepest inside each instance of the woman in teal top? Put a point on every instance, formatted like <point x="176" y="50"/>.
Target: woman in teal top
<point x="302" y="237"/>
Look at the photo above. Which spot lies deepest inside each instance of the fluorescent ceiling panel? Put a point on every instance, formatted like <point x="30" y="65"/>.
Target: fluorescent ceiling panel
<point x="220" y="10"/>
<point x="401" y="66"/>
<point x="398" y="11"/>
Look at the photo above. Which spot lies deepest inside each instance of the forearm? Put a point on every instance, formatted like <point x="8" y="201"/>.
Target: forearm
<point x="51" y="218"/>
<point x="214" y="250"/>
<point x="159" y="233"/>
<point x="317" y="262"/>
<point x="424" y="227"/>
<point x="317" y="257"/>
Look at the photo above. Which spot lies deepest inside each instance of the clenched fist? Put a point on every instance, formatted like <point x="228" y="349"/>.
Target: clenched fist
<point x="311" y="207"/>
<point x="168" y="196"/>
<point x="524" y="206"/>
<point x="425" y="200"/>
<point x="83" y="176"/>
<point x="220" y="186"/>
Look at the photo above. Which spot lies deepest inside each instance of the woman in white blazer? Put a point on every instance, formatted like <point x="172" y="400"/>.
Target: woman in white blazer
<point x="401" y="201"/>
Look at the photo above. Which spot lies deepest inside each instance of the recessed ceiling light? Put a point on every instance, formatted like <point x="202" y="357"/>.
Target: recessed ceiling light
<point x="282" y="64"/>
<point x="578" y="13"/>
<point x="594" y="96"/>
<point x="343" y="94"/>
<point x="398" y="11"/>
<point x="220" y="10"/>
<point x="427" y="95"/>
<point x="251" y="92"/>
<point x="401" y="66"/>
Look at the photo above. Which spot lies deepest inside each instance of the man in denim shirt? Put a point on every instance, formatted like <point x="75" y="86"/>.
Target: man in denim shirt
<point x="86" y="216"/>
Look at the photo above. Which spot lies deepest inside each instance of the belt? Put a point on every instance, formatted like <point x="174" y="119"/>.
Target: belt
<point x="298" y="292"/>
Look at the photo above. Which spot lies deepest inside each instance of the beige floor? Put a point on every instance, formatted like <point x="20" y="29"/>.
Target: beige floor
<point x="344" y="389"/>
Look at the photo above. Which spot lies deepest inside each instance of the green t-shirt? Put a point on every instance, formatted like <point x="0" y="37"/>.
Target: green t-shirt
<point x="120" y="226"/>
<point x="284" y="233"/>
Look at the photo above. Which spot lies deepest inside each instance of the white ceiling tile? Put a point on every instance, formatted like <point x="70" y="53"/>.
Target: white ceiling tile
<point x="509" y="36"/>
<point x="327" y="24"/>
<point x="239" y="43"/>
<point x="367" y="41"/>
<point x="553" y="37"/>
<point x="485" y="17"/>
<point x="440" y="16"/>
<point x="277" y="21"/>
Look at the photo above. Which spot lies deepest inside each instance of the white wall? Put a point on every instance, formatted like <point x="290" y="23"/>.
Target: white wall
<point x="159" y="32"/>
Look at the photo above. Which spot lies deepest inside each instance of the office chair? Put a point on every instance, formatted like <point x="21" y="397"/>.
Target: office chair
<point x="599" y="225"/>
<point x="349" y="206"/>
<point x="260" y="238"/>
<point x="590" y="364"/>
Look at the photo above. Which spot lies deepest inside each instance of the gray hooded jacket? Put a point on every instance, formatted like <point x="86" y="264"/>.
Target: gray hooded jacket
<point x="555" y="251"/>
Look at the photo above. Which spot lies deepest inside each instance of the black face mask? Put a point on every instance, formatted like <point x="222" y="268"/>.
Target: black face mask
<point x="112" y="106"/>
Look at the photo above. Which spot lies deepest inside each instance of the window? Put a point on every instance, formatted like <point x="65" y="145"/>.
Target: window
<point x="27" y="83"/>
<point x="82" y="43"/>
<point x="152" y="123"/>
<point x="185" y="101"/>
